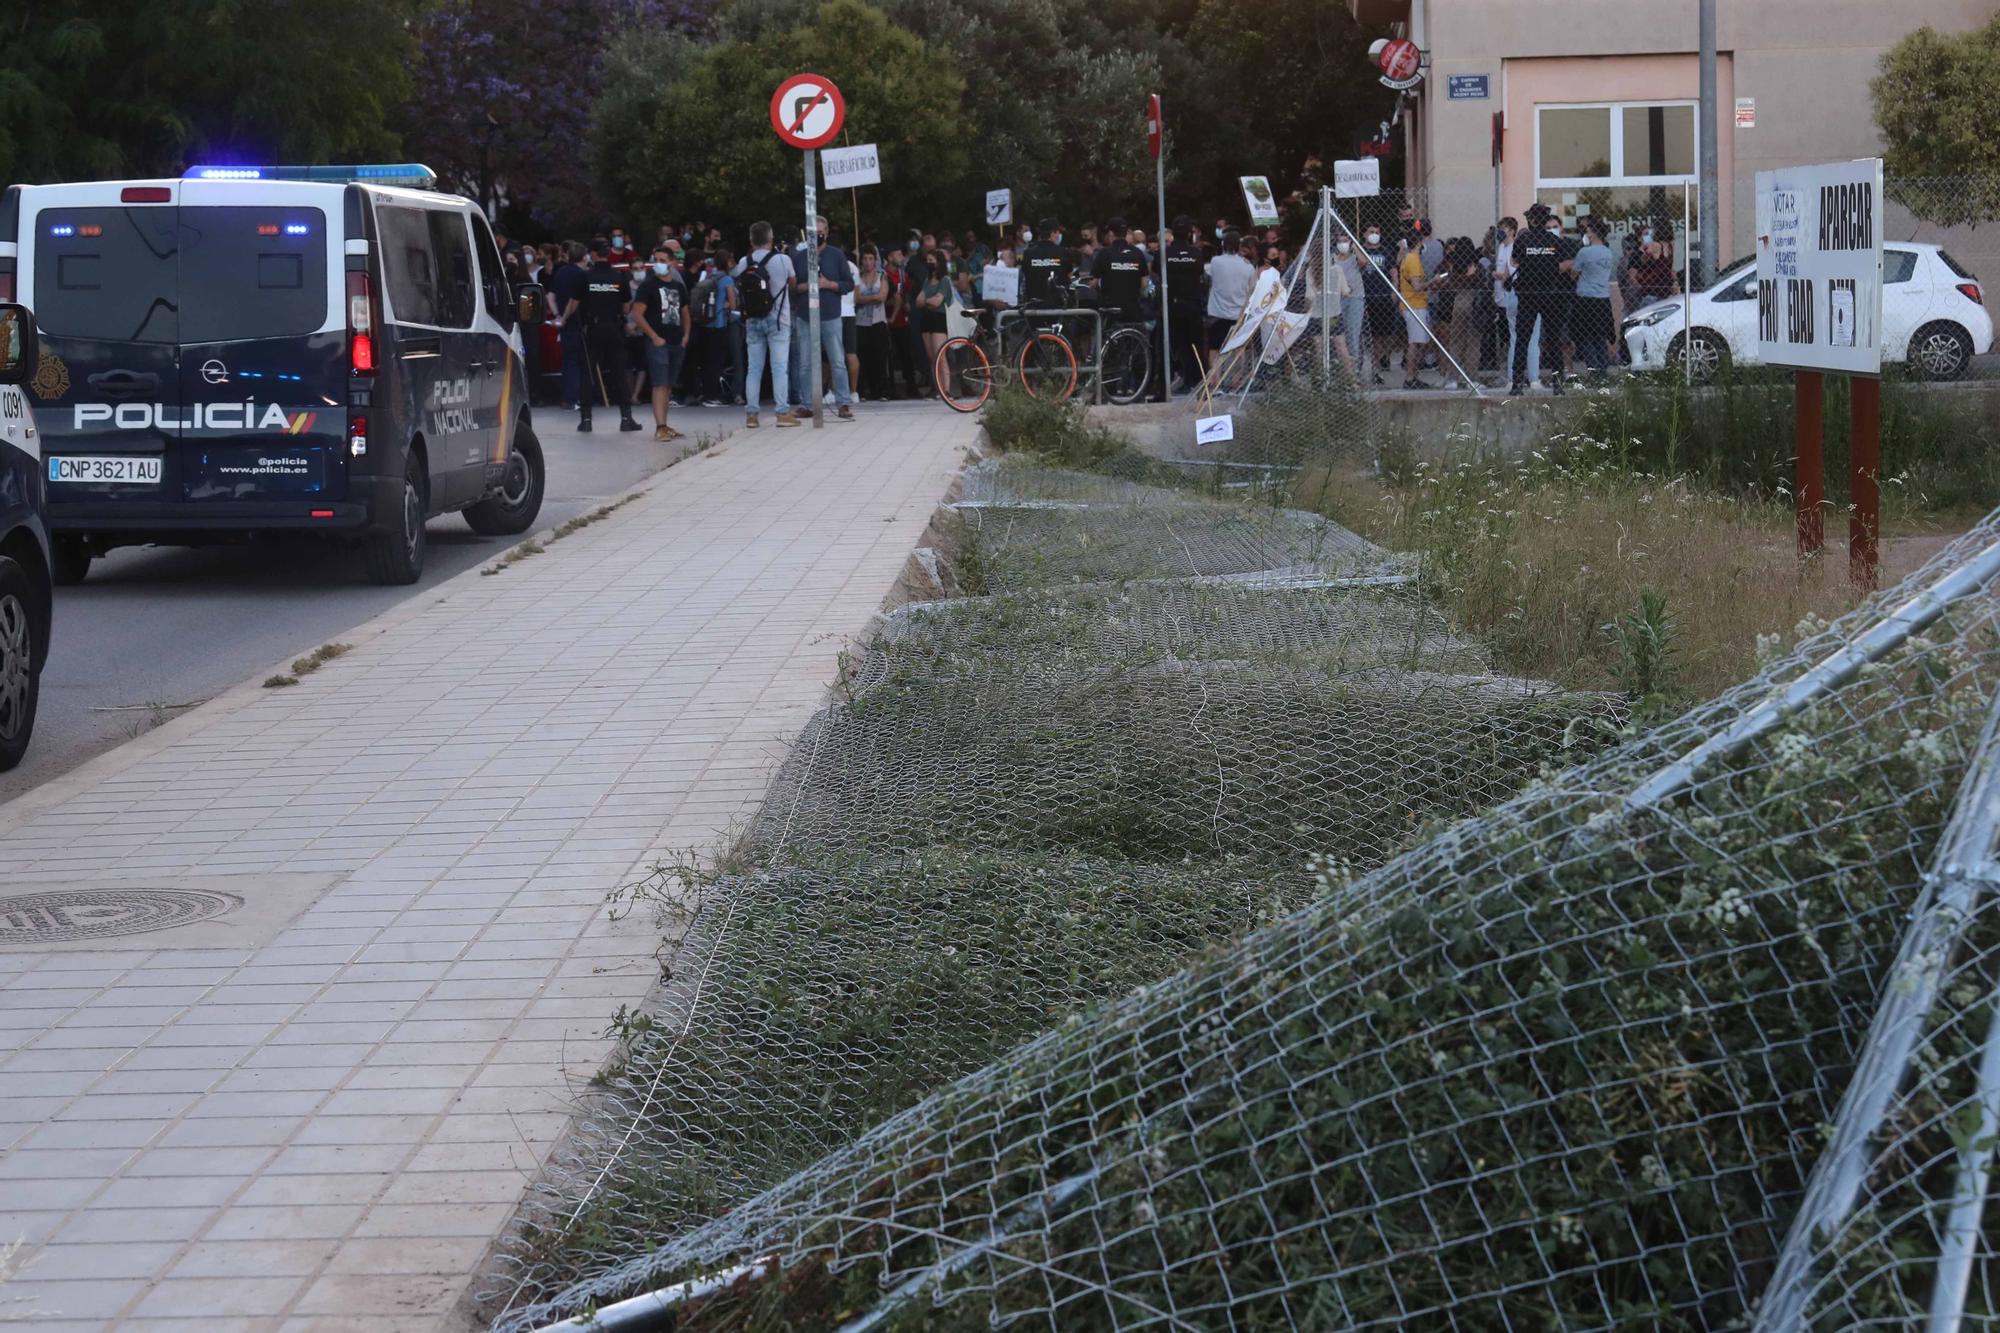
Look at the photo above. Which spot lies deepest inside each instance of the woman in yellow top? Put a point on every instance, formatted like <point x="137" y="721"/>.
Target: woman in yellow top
<point x="1416" y="313"/>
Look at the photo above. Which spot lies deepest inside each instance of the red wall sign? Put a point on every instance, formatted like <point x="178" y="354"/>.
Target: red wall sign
<point x="1400" y="60"/>
<point x="807" y="110"/>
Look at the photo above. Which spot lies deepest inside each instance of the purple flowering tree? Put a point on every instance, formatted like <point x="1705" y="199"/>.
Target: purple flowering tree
<point x="503" y="93"/>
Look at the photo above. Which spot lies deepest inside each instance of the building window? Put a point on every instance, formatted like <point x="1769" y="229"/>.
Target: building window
<point x="1615" y="143"/>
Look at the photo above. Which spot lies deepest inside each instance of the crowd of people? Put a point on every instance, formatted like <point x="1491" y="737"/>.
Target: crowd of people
<point x="1522" y="305"/>
<point x="689" y="320"/>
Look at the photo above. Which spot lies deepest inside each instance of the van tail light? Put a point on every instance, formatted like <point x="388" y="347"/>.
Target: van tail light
<point x="6" y="286"/>
<point x="146" y="194"/>
<point x="361" y="323"/>
<point x="1971" y="290"/>
<point x="357" y="437"/>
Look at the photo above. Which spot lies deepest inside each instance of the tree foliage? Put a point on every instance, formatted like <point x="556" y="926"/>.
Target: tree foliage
<point x="97" y="88"/>
<point x="1937" y="103"/>
<point x="685" y="131"/>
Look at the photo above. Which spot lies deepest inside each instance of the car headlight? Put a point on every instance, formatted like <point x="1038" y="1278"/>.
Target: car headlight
<point x="1659" y="314"/>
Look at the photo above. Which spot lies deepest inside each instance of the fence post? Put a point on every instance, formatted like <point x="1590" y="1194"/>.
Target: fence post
<point x="1324" y="226"/>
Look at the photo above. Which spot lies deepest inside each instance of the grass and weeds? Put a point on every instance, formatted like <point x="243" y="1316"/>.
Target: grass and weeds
<point x="1572" y="1073"/>
<point x="839" y="990"/>
<point x="1060" y="432"/>
<point x="533" y="547"/>
<point x="1589" y="574"/>
<point x="305" y="666"/>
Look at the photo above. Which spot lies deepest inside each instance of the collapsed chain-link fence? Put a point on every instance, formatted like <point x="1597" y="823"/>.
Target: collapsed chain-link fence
<point x="1019" y="803"/>
<point x="1567" y="1064"/>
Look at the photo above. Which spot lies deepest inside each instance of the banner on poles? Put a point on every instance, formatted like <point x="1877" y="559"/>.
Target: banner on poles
<point x="1358" y="178"/>
<point x="999" y="207"/>
<point x="846" y="168"/>
<point x="1263" y="204"/>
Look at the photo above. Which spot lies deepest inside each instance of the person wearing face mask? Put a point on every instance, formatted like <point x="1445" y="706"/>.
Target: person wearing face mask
<point x="665" y="321"/>
<point x="1042" y="266"/>
<point x="1540" y="266"/>
<point x="621" y="255"/>
<point x="1384" y="316"/>
<point x="1354" y="303"/>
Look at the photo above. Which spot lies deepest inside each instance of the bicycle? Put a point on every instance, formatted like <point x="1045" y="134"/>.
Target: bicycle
<point x="967" y="369"/>
<point x="1123" y="365"/>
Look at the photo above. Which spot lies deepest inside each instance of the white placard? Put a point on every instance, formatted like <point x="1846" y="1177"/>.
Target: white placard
<point x="1263" y="204"/>
<point x="845" y="168"/>
<point x="1001" y="284"/>
<point x="1819" y="267"/>
<point x="1357" y="179"/>
<point x="1214" y="430"/>
<point x="999" y="207"/>
<point x="1266" y="296"/>
<point x="1746" y="113"/>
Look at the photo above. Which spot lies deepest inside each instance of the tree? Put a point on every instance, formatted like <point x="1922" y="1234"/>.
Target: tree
<point x="685" y="132"/>
<point x="96" y="88"/>
<point x="1937" y="104"/>
<point x="505" y="90"/>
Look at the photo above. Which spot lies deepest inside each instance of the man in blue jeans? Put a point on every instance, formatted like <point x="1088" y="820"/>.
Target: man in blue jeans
<point x="763" y="288"/>
<point x="836" y="278"/>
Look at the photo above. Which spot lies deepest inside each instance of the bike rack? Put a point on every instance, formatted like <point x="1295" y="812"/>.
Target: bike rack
<point x="1052" y="314"/>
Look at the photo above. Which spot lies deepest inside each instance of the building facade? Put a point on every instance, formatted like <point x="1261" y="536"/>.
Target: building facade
<point x="1597" y="102"/>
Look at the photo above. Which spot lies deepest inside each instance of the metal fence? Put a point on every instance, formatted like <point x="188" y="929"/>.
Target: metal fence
<point x="1696" y="1034"/>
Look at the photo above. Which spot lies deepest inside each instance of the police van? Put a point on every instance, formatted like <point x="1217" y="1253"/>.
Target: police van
<point x="249" y="352"/>
<point x="26" y="596"/>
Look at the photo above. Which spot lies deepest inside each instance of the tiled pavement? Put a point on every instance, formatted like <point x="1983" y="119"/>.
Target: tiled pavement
<point x="326" y="1129"/>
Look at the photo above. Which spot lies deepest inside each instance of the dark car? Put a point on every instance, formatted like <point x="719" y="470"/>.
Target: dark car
<point x="26" y="592"/>
<point x="249" y="352"/>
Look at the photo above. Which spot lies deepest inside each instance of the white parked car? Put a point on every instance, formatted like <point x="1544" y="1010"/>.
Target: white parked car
<point x="1933" y="317"/>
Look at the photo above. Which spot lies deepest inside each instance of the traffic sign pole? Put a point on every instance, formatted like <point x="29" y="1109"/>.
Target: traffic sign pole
<point x="808" y="111"/>
<point x="812" y="287"/>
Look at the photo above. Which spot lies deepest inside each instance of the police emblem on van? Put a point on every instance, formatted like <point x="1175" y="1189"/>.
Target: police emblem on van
<point x="451" y="413"/>
<point x="51" y="377"/>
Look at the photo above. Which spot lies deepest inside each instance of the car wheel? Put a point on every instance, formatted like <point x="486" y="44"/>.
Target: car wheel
<point x="20" y="671"/>
<point x="1705" y="351"/>
<point x="1940" y="352"/>
<point x="512" y="509"/>
<point x="395" y="555"/>
<point x="69" y="560"/>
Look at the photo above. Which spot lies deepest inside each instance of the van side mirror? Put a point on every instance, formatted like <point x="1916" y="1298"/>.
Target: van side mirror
<point x="528" y="302"/>
<point x="20" y="351"/>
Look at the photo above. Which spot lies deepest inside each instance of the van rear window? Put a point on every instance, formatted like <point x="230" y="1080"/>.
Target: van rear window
<point x="109" y="273"/>
<point x="249" y="272"/>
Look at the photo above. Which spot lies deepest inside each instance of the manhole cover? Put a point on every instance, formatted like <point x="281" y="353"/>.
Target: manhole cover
<point x="91" y="914"/>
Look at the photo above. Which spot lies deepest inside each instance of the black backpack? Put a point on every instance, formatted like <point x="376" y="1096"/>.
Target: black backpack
<point x="704" y="299"/>
<point x="755" y="286"/>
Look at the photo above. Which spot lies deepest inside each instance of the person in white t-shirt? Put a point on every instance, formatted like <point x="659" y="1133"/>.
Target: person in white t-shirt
<point x="1231" y="276"/>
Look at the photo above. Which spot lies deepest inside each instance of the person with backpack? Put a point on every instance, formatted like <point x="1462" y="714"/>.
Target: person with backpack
<point x="763" y="293"/>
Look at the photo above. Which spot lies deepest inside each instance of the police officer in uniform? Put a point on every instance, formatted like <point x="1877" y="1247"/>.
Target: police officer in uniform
<point x="602" y="310"/>
<point x="1540" y="263"/>
<point x="1184" y="264"/>
<point x="1118" y="271"/>
<point x="1042" y="264"/>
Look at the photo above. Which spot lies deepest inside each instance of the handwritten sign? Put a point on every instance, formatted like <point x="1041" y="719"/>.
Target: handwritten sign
<point x="1819" y="267"/>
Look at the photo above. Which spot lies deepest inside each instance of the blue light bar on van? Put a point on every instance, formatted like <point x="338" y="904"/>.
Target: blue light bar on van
<point x="415" y="175"/>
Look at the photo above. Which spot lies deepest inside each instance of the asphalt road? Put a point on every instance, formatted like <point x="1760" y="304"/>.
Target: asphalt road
<point x="155" y="630"/>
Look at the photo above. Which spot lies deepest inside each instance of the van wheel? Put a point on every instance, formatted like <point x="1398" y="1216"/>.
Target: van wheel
<point x="20" y="673"/>
<point x="69" y="561"/>
<point x="395" y="555"/>
<point x="512" y="508"/>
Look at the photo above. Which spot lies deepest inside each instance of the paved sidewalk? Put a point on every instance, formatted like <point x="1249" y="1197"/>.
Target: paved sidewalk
<point x="315" y="1109"/>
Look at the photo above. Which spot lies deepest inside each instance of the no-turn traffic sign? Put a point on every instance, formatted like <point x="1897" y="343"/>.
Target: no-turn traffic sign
<point x="807" y="110"/>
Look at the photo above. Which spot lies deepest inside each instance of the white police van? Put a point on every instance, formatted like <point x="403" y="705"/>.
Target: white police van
<point x="254" y="351"/>
<point x="26" y="596"/>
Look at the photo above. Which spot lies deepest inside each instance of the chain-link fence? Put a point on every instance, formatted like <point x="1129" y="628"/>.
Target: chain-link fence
<point x="1567" y="1064"/>
<point x="1163" y="703"/>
